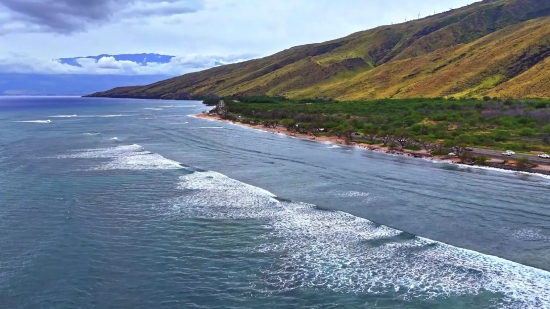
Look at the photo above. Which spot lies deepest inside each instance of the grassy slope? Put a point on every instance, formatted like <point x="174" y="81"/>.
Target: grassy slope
<point x="494" y="47"/>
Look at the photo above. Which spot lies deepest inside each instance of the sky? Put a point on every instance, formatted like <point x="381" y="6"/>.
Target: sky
<point x="199" y="33"/>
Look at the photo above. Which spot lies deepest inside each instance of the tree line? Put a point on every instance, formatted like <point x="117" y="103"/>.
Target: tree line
<point x="436" y="124"/>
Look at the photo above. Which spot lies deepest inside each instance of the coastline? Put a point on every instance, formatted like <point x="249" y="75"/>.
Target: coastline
<point x="493" y="164"/>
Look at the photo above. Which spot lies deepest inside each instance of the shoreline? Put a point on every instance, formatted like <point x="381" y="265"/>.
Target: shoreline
<point x="493" y="164"/>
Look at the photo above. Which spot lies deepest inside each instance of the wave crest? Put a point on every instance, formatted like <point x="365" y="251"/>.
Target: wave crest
<point x="128" y="157"/>
<point x="337" y="251"/>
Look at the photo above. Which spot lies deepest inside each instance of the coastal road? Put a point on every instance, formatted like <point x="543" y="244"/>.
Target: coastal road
<point x="499" y="155"/>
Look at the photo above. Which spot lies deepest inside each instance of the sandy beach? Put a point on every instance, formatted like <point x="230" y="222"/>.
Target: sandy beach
<point x="542" y="169"/>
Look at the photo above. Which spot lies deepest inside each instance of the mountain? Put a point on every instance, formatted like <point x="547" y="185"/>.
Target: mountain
<point x="67" y="84"/>
<point x="490" y="48"/>
<point x="39" y="83"/>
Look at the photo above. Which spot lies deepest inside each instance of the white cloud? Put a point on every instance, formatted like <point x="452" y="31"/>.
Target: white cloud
<point x="109" y="65"/>
<point x="162" y="8"/>
<point x="211" y="27"/>
<point x="69" y="16"/>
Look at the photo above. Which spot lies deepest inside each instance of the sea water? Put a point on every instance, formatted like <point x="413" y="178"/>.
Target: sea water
<point x="136" y="204"/>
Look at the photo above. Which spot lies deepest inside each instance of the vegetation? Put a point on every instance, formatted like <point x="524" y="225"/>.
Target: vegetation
<point x="523" y="162"/>
<point x="489" y="48"/>
<point x="435" y="125"/>
<point x="211" y="101"/>
<point x="480" y="160"/>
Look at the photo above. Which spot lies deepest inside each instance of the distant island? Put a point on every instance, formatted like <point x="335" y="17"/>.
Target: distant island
<point x="81" y="77"/>
<point x="495" y="48"/>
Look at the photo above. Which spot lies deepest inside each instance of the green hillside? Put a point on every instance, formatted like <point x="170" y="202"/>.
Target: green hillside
<point x="493" y="47"/>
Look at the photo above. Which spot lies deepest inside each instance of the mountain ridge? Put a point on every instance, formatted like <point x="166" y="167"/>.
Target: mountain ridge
<point x="491" y="47"/>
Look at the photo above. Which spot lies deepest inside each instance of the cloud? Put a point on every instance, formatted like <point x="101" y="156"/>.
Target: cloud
<point x="109" y="65"/>
<point x="67" y="16"/>
<point x="219" y="27"/>
<point x="162" y="8"/>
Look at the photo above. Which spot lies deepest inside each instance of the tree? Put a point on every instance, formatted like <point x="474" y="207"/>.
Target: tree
<point x="289" y="124"/>
<point x="386" y="136"/>
<point x="344" y="129"/>
<point x="546" y="134"/>
<point x="402" y="138"/>
<point x="304" y="128"/>
<point x="371" y="131"/>
<point x="271" y="124"/>
<point x="427" y="142"/>
<point x="459" y="143"/>
<point x="439" y="146"/>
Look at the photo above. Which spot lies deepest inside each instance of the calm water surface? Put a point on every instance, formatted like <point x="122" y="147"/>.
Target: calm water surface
<point x="115" y="203"/>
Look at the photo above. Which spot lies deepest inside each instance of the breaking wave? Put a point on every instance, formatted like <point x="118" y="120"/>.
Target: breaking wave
<point x="494" y="169"/>
<point x="129" y="157"/>
<point x="35" y="121"/>
<point x="102" y="116"/>
<point x="64" y="116"/>
<point x="321" y="249"/>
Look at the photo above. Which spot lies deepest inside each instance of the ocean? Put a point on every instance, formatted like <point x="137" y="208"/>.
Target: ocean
<point x="120" y="203"/>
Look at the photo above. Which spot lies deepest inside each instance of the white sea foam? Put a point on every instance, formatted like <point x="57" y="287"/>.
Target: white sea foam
<point x="154" y="108"/>
<point x="349" y="193"/>
<point x="130" y="157"/>
<point x="494" y="169"/>
<point x="114" y="138"/>
<point x="529" y="234"/>
<point x="166" y="106"/>
<point x="111" y="116"/>
<point x="64" y="116"/>
<point x="35" y="121"/>
<point x="92" y="133"/>
<point x="337" y="251"/>
<point x="102" y="116"/>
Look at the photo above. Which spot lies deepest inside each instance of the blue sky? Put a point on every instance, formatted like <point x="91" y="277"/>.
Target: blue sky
<point x="199" y="33"/>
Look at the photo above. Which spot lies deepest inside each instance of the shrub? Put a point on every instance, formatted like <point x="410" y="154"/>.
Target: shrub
<point x="500" y="135"/>
<point x="481" y="160"/>
<point x="523" y="162"/>
<point x="211" y="101"/>
<point x="527" y="132"/>
<point x="413" y="147"/>
<point x="515" y="146"/>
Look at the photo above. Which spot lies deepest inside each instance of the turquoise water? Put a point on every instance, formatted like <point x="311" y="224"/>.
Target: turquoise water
<point x="135" y="204"/>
